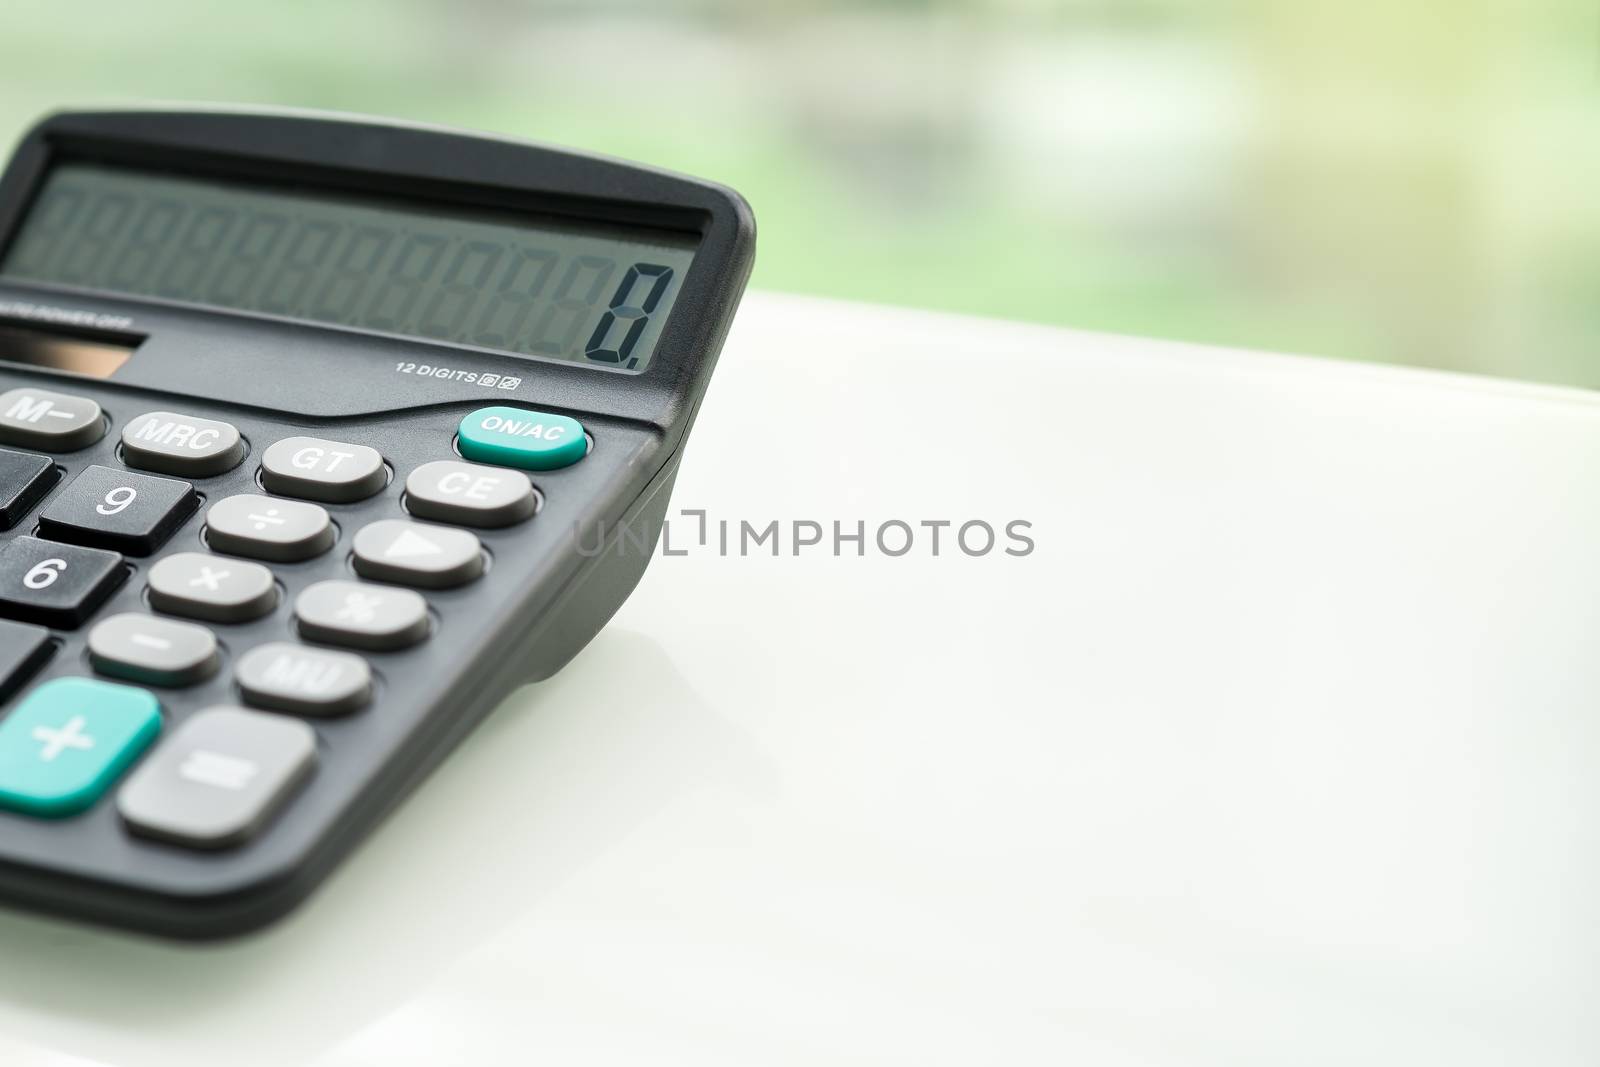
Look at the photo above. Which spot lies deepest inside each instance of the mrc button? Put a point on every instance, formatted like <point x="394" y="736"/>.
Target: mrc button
<point x="53" y="422"/>
<point x="514" y="437"/>
<point x="181" y="444"/>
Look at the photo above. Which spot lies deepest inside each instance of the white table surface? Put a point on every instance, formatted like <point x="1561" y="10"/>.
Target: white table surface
<point x="1279" y="749"/>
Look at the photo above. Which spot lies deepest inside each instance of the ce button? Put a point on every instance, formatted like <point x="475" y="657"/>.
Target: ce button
<point x="469" y="495"/>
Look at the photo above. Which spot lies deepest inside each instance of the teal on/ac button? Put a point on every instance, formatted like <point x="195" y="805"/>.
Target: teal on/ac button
<point x="514" y="437"/>
<point x="69" y="740"/>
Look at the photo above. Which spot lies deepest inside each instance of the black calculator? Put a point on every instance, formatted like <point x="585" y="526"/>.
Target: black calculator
<point x="317" y="437"/>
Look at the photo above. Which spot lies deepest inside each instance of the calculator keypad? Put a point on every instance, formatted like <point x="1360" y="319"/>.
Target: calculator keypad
<point x="48" y="421"/>
<point x="153" y="651"/>
<point x="410" y="553"/>
<point x="223" y="773"/>
<point x="329" y="471"/>
<point x="218" y="779"/>
<point x="181" y="444"/>
<point x="469" y="495"/>
<point x="357" y="615"/>
<point x="202" y="586"/>
<point x="54" y="584"/>
<point x="263" y="527"/>
<point x="24" y="480"/>
<point x="130" y="513"/>
<point x="305" y="681"/>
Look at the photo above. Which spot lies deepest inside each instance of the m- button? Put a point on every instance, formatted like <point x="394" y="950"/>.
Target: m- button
<point x="469" y="495"/>
<point x="181" y="444"/>
<point x="53" y="422"/>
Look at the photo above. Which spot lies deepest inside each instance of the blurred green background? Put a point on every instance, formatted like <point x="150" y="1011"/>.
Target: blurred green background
<point x="1374" y="179"/>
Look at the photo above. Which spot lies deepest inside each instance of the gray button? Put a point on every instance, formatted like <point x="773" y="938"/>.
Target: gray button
<point x="330" y="471"/>
<point x="433" y="557"/>
<point x="218" y="778"/>
<point x="267" y="528"/>
<point x="55" y="422"/>
<point x="181" y="444"/>
<point x="209" y="587"/>
<point x="374" y="617"/>
<point x="308" y="681"/>
<point x="143" y="648"/>
<point x="465" y="493"/>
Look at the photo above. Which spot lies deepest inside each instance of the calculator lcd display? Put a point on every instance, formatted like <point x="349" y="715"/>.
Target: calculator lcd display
<point x="530" y="285"/>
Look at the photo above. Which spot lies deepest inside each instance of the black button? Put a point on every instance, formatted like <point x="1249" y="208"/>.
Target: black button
<point x="132" y="513"/>
<point x="23" y="650"/>
<point x="24" y="480"/>
<point x="55" y="585"/>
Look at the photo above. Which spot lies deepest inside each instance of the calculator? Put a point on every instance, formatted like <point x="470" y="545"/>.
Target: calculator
<point x="318" y="436"/>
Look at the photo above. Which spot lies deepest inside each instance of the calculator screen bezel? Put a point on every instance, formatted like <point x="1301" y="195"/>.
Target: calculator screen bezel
<point x="425" y="166"/>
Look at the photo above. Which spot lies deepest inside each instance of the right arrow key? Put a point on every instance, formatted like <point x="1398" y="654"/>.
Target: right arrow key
<point x="412" y="553"/>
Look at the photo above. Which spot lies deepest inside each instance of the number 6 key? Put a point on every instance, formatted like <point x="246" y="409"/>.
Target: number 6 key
<point x="55" y="585"/>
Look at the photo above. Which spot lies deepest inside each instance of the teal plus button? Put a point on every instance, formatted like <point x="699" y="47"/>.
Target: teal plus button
<point x="513" y="437"/>
<point x="69" y="740"/>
